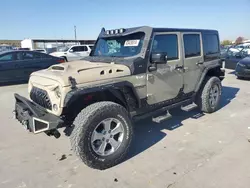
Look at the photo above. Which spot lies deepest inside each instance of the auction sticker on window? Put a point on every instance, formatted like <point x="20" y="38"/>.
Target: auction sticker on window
<point x="131" y="43"/>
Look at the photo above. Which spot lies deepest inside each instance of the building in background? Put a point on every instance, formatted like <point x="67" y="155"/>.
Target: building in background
<point x="51" y="45"/>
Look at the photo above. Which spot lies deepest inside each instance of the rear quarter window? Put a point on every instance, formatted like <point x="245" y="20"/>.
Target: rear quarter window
<point x="211" y="44"/>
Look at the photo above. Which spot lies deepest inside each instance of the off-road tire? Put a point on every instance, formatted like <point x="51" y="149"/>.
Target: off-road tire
<point x="84" y="125"/>
<point x="202" y="99"/>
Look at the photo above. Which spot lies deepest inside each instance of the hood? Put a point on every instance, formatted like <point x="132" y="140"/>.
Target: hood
<point x="245" y="61"/>
<point x="82" y="71"/>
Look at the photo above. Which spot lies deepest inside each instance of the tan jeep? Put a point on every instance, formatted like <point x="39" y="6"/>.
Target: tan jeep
<point x="130" y="74"/>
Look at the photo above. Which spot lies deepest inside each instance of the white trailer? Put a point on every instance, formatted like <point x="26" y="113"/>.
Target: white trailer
<point x="27" y="43"/>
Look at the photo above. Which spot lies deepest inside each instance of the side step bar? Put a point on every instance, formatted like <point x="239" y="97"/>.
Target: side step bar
<point x="164" y="109"/>
<point x="162" y="118"/>
<point x="189" y="107"/>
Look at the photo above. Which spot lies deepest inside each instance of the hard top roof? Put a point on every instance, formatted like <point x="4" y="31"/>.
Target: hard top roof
<point x="160" y="29"/>
<point x="183" y="30"/>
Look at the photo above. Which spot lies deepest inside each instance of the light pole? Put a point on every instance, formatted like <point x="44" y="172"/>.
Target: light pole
<point x="75" y="33"/>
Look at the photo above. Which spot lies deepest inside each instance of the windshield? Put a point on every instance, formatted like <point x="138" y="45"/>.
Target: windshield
<point x="63" y="49"/>
<point x="122" y="46"/>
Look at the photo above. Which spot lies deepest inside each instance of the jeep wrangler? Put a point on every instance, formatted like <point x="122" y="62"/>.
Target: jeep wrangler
<point x="130" y="74"/>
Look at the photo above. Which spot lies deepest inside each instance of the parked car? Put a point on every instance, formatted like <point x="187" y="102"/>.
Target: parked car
<point x="73" y="53"/>
<point x="242" y="46"/>
<point x="18" y="65"/>
<point x="243" y="68"/>
<point x="4" y="48"/>
<point x="224" y="49"/>
<point x="40" y="50"/>
<point x="234" y="55"/>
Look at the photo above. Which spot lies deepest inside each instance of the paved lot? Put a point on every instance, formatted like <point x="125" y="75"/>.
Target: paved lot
<point x="190" y="150"/>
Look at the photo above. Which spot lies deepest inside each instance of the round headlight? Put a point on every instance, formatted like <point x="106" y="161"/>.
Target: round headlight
<point x="58" y="92"/>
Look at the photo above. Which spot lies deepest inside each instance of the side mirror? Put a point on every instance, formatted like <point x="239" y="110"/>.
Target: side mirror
<point x="159" y="58"/>
<point x="71" y="51"/>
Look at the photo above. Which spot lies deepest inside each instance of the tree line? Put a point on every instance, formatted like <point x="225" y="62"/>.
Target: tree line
<point x="238" y="40"/>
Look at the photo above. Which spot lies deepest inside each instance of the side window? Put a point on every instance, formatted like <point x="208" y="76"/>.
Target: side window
<point x="74" y="49"/>
<point x="6" y="57"/>
<point x="82" y="48"/>
<point x="45" y="56"/>
<point x="28" y="56"/>
<point x="211" y="44"/>
<point x="19" y="56"/>
<point x="39" y="55"/>
<point x="192" y="45"/>
<point x="167" y="44"/>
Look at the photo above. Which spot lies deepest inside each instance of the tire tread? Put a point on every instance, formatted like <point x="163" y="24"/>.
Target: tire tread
<point x="79" y="129"/>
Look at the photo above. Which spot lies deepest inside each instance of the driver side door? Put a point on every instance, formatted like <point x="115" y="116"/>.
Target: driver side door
<point x="166" y="81"/>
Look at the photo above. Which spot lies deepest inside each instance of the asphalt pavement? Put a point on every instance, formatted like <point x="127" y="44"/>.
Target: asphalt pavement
<point x="191" y="150"/>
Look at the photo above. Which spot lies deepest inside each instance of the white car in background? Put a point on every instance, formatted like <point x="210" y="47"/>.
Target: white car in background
<point x="40" y="50"/>
<point x="73" y="53"/>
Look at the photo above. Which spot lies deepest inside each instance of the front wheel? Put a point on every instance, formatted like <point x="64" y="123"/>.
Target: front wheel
<point x="102" y="135"/>
<point x="208" y="98"/>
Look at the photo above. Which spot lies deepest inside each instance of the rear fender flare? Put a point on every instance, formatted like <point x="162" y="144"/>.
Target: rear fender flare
<point x="204" y="74"/>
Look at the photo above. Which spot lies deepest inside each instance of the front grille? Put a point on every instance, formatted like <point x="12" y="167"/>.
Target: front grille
<point x="40" y="97"/>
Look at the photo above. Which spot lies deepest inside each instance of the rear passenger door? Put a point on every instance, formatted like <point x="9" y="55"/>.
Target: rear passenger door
<point x="193" y="59"/>
<point x="83" y="51"/>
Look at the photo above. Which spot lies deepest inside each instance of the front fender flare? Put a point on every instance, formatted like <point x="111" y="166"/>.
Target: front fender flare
<point x="113" y="88"/>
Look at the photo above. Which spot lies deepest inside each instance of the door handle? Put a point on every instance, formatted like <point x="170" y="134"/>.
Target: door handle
<point x="178" y="67"/>
<point x="199" y="63"/>
<point x="152" y="68"/>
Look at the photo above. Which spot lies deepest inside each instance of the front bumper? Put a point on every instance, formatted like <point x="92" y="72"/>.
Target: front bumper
<point x="242" y="71"/>
<point x="33" y="117"/>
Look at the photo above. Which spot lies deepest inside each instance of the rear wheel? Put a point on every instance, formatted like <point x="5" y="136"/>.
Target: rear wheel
<point x="208" y="98"/>
<point x="102" y="135"/>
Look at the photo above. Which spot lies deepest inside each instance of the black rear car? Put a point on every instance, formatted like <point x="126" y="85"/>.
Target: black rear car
<point x="18" y="65"/>
<point x="243" y="68"/>
<point x="234" y="55"/>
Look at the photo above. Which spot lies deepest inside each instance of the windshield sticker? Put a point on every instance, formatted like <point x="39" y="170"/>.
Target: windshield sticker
<point x="131" y="43"/>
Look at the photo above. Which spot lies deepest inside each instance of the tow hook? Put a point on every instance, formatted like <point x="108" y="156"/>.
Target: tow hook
<point x="25" y="124"/>
<point x="54" y="133"/>
<point x="14" y="114"/>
